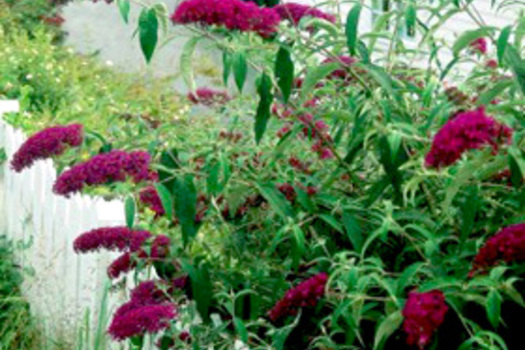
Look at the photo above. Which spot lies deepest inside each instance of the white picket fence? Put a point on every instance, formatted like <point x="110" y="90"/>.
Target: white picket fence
<point x="64" y="285"/>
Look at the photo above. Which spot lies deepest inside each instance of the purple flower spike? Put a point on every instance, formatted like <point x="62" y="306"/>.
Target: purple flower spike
<point x="115" y="166"/>
<point x="424" y="313"/>
<point x="306" y="294"/>
<point x="232" y="14"/>
<point x="294" y="12"/>
<point x="47" y="143"/>
<point x="466" y="131"/>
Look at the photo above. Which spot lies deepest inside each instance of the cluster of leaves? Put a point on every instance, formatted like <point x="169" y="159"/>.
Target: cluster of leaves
<point x="378" y="222"/>
<point x="381" y="223"/>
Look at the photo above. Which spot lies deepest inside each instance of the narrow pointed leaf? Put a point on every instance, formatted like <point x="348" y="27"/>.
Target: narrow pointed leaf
<point x="352" y="23"/>
<point x="186" y="62"/>
<point x="502" y="43"/>
<point x="284" y="72"/>
<point x="240" y="69"/>
<point x="166" y="199"/>
<point x="263" y="109"/>
<point x="148" y="32"/>
<point x="124" y="7"/>
<point x="185" y="206"/>
<point x="130" y="209"/>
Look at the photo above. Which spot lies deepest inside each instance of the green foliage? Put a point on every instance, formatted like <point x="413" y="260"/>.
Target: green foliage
<point x="342" y="189"/>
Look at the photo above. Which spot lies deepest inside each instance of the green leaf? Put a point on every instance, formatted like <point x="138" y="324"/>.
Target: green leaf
<point x="406" y="277"/>
<point x="502" y="43"/>
<point x="411" y="17"/>
<point x="201" y="286"/>
<point x="517" y="64"/>
<point x="276" y="199"/>
<point x="363" y="52"/>
<point x="186" y="62"/>
<point x="148" y="32"/>
<point x="493" y="307"/>
<point x="226" y="67"/>
<point x="212" y="181"/>
<point x="263" y="109"/>
<point x="240" y="328"/>
<point x="284" y="72"/>
<point x="491" y="94"/>
<point x="185" y="206"/>
<point x="463" y="175"/>
<point x="166" y="199"/>
<point x="352" y="23"/>
<point x="169" y="161"/>
<point x="304" y="199"/>
<point x="382" y="78"/>
<point x="353" y="230"/>
<point x="240" y="69"/>
<point x="387" y="327"/>
<point x="279" y="335"/>
<point x="124" y="7"/>
<point x="299" y="245"/>
<point x="130" y="209"/>
<point x="330" y="220"/>
<point x="314" y="75"/>
<point x="468" y="37"/>
<point x="468" y="214"/>
<point x="517" y="166"/>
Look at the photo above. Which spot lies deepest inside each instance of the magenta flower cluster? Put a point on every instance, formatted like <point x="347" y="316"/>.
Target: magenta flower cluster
<point x="150" y="197"/>
<point x="148" y="311"/>
<point x="122" y="239"/>
<point x="294" y="12"/>
<point x="232" y="14"/>
<point x="46" y="143"/>
<point x="479" y="45"/>
<point x="104" y="168"/>
<point x="508" y="245"/>
<point x="466" y="131"/>
<point x="423" y="313"/>
<point x="342" y="73"/>
<point x="305" y="294"/>
<point x="118" y="238"/>
<point x="126" y="262"/>
<point x="291" y="194"/>
<point x="208" y="97"/>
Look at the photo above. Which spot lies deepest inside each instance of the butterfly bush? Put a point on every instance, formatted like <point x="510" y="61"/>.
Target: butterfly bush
<point x="294" y="12"/>
<point x="150" y="197"/>
<point x="47" y="143"/>
<point x="423" y="314"/>
<point x="305" y="294"/>
<point x="118" y="238"/>
<point x="479" y="45"/>
<point x="231" y="14"/>
<point x="122" y="239"/>
<point x="127" y="261"/>
<point x="250" y="216"/>
<point x="466" y="131"/>
<point x="508" y="246"/>
<point x="115" y="166"/>
<point x="208" y="97"/>
<point x="147" y="311"/>
<point x="346" y="62"/>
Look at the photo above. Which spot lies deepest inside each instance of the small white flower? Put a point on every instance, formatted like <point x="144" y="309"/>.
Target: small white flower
<point x="239" y="345"/>
<point x="109" y="63"/>
<point x="29" y="76"/>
